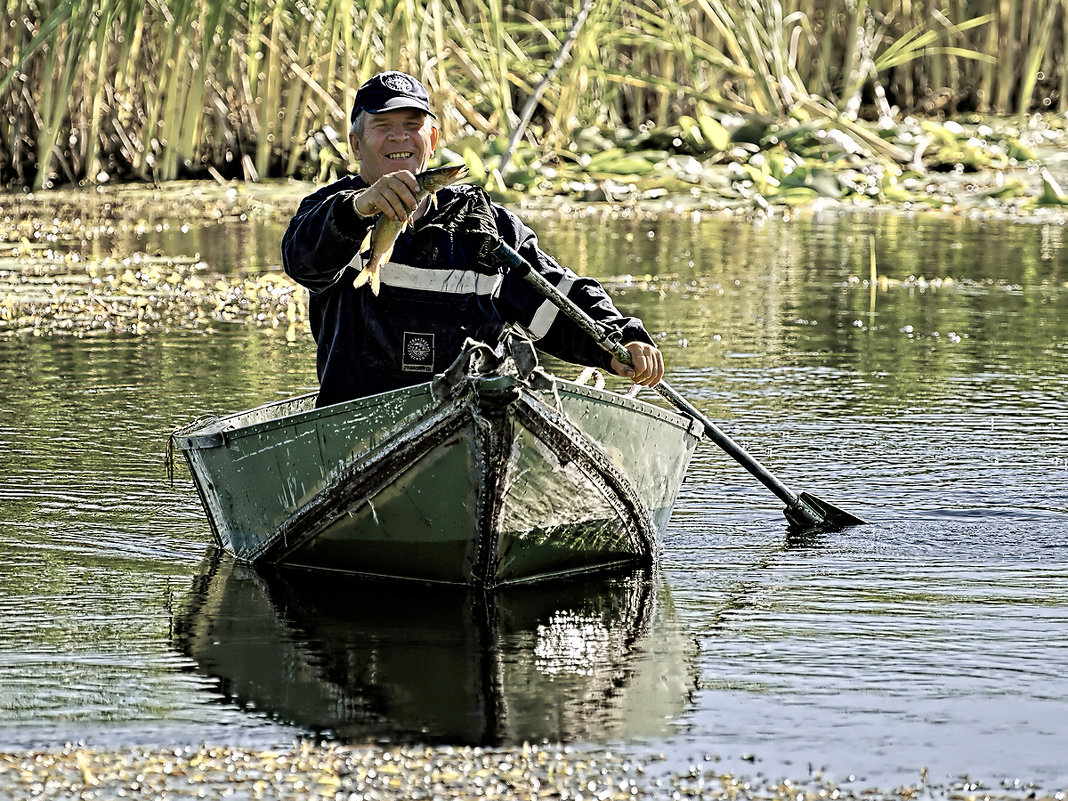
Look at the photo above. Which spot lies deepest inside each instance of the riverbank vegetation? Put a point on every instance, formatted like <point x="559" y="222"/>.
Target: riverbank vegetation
<point x="308" y="770"/>
<point x="547" y="95"/>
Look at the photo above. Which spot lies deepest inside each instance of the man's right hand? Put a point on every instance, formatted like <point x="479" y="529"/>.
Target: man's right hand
<point x="646" y="364"/>
<point x="393" y="195"/>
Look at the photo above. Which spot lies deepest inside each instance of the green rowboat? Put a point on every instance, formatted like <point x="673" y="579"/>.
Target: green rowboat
<point x="493" y="473"/>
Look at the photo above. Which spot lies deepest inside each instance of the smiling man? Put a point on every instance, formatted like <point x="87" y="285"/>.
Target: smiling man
<point x="439" y="287"/>
<point x="393" y="135"/>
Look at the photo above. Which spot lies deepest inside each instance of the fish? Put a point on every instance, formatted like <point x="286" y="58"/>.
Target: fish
<point x="383" y="234"/>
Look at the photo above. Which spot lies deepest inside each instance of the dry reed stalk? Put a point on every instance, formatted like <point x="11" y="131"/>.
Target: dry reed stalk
<point x="165" y="87"/>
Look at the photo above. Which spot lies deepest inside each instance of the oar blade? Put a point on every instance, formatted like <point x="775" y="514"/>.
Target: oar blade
<point x="810" y="513"/>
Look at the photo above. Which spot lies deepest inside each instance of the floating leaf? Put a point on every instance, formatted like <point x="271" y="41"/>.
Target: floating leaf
<point x="1014" y="187"/>
<point x="797" y="196"/>
<point x="1052" y="195"/>
<point x="890" y="189"/>
<point x="616" y="162"/>
<point x="1015" y="149"/>
<point x="598" y="160"/>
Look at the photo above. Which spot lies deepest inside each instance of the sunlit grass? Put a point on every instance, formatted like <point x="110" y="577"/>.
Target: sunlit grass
<point x="97" y="89"/>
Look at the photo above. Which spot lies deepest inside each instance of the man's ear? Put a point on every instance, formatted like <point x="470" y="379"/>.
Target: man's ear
<point x="354" y="145"/>
<point x="434" y="134"/>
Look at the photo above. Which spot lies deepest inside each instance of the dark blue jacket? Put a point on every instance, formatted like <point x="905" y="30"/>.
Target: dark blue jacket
<point x="438" y="288"/>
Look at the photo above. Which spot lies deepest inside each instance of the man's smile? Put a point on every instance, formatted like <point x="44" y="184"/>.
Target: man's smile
<point x="397" y="156"/>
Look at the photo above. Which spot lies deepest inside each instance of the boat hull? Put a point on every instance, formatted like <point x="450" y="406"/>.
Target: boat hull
<point x="486" y="482"/>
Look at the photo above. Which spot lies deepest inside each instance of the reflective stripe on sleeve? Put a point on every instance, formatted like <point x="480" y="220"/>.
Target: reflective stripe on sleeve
<point x="546" y="314"/>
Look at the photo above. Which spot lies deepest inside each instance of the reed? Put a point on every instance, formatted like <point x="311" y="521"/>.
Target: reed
<point x="168" y="88"/>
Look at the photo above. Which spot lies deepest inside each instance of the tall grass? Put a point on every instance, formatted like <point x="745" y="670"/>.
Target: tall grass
<point x="160" y="89"/>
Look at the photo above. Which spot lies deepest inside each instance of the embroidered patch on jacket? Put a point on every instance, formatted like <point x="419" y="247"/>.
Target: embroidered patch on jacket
<point x="418" y="353"/>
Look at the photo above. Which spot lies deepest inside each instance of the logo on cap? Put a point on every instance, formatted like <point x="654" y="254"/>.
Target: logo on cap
<point x="398" y="83"/>
<point x="391" y="90"/>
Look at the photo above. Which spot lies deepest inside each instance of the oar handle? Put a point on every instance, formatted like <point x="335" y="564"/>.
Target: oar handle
<point x="605" y="337"/>
<point x="609" y="340"/>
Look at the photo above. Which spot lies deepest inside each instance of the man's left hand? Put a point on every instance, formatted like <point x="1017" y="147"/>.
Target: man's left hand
<point x="646" y="367"/>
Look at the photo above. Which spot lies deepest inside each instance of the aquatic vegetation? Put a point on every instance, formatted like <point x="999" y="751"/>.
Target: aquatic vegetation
<point x="530" y="771"/>
<point x="787" y="164"/>
<point x="55" y="294"/>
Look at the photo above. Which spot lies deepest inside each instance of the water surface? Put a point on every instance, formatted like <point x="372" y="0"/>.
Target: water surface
<point x="931" y="638"/>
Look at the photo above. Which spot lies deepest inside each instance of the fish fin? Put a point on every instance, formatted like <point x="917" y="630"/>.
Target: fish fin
<point x="366" y="243"/>
<point x="361" y="278"/>
<point x="376" y="282"/>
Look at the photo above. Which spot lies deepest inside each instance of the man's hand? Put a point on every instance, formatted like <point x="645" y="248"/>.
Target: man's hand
<point x="646" y="367"/>
<point x="393" y="195"/>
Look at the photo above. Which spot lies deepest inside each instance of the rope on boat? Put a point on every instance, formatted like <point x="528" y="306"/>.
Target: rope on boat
<point x="172" y="441"/>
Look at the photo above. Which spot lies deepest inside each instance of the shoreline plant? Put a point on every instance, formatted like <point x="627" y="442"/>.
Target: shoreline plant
<point x="94" y="91"/>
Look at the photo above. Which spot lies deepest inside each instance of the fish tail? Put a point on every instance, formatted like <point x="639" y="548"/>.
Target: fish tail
<point x="372" y="270"/>
<point x="368" y="275"/>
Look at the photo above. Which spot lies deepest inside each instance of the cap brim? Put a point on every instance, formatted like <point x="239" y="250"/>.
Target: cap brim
<point x="395" y="103"/>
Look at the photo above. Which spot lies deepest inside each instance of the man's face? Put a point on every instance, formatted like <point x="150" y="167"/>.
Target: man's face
<point x="403" y="139"/>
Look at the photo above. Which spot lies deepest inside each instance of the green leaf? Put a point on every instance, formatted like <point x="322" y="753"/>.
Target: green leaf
<point x="718" y="136"/>
<point x="1052" y="195"/>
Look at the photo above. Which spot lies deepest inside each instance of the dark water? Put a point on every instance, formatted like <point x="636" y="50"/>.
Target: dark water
<point x="932" y="638"/>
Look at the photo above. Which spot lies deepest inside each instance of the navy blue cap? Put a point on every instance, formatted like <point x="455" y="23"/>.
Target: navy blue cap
<point x="388" y="91"/>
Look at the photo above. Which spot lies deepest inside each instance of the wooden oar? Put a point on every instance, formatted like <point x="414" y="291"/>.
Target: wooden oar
<point x="804" y="511"/>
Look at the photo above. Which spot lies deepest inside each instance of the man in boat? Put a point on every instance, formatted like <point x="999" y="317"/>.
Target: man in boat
<point x="439" y="286"/>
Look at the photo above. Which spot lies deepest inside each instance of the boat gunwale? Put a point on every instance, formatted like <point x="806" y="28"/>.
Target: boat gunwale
<point x="193" y="436"/>
<point x="634" y="404"/>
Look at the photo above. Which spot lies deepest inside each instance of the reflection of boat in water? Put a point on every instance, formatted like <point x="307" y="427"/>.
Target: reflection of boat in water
<point x="360" y="660"/>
